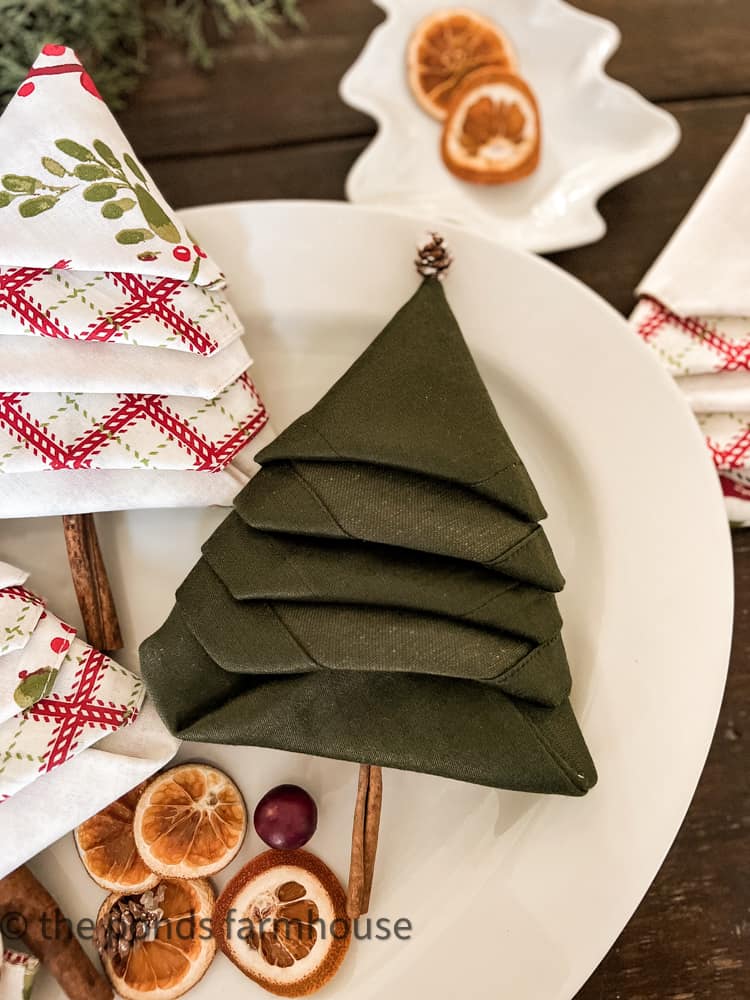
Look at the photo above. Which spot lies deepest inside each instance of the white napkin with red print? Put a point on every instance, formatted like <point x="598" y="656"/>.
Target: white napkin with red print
<point x="74" y="733"/>
<point x="122" y="369"/>
<point x="17" y="974"/>
<point x="694" y="313"/>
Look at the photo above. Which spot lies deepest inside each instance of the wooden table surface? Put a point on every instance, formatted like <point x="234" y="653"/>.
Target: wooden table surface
<point x="269" y="124"/>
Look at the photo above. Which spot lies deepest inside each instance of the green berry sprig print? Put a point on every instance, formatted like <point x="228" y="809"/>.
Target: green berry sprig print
<point x="117" y="186"/>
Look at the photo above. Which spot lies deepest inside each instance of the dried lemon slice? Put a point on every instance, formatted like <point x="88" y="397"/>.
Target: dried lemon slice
<point x="445" y="48"/>
<point x="493" y="133"/>
<point x="158" y="943"/>
<point x="282" y="921"/>
<point x="106" y="845"/>
<point x="190" y="821"/>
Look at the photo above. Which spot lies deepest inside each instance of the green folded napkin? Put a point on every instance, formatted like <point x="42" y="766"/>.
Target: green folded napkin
<point x="344" y="500"/>
<point x="257" y="565"/>
<point x="415" y="401"/>
<point x="383" y="592"/>
<point x="458" y="729"/>
<point x="281" y="637"/>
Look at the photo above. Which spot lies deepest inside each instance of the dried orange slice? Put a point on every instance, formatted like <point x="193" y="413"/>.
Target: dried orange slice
<point x="157" y="944"/>
<point x="445" y="48"/>
<point x="282" y="921"/>
<point x="493" y="133"/>
<point x="190" y="821"/>
<point x="107" y="847"/>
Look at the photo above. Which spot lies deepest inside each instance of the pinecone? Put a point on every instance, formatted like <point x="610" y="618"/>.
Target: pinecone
<point x="130" y="919"/>
<point x="433" y="257"/>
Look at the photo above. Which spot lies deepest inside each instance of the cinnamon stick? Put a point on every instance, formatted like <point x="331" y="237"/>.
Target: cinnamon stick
<point x="355" y="892"/>
<point x="90" y="581"/>
<point x="372" y="830"/>
<point x="364" y="839"/>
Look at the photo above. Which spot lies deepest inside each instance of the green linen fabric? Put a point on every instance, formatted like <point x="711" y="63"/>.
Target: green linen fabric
<point x="457" y="729"/>
<point x="260" y="637"/>
<point x="257" y="565"/>
<point x="394" y="508"/>
<point x="414" y="400"/>
<point x="383" y="591"/>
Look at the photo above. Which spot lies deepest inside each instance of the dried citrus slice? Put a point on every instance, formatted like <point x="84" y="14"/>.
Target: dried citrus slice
<point x="190" y="821"/>
<point x="157" y="944"/>
<point x="107" y="847"/>
<point x="445" y="48"/>
<point x="282" y="921"/>
<point x="492" y="134"/>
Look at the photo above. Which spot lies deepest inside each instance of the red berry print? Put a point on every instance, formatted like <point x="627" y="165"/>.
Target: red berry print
<point x="61" y="265"/>
<point x="88" y="84"/>
<point x="181" y="253"/>
<point x="26" y="88"/>
<point x="59" y="645"/>
<point x="201" y="253"/>
<point x="54" y="50"/>
<point x="67" y="628"/>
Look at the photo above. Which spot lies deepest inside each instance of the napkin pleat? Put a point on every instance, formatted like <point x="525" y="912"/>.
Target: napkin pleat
<point x="257" y="565"/>
<point x="457" y="729"/>
<point x="391" y="507"/>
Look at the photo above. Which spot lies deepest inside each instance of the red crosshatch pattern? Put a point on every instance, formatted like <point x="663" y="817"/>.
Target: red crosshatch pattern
<point x="206" y="455"/>
<point x="147" y="298"/>
<point x="80" y="709"/>
<point x="22" y="594"/>
<point x="730" y="355"/>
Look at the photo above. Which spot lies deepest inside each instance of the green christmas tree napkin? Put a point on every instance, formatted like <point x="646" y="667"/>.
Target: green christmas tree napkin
<point x="384" y="592"/>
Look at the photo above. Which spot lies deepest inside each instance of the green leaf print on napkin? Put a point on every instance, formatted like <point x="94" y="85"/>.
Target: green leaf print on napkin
<point x="103" y="179"/>
<point x="34" y="687"/>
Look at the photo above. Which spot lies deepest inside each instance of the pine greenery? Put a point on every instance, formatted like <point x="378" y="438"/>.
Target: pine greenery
<point x="112" y="37"/>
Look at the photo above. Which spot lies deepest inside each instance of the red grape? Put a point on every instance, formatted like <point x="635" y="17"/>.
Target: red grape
<point x="286" y="817"/>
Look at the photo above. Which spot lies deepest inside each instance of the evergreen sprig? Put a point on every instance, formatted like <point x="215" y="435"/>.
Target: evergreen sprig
<point x="112" y="36"/>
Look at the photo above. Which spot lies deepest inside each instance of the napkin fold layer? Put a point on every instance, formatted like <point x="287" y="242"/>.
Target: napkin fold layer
<point x="73" y="190"/>
<point x="280" y="637"/>
<point x="392" y="408"/>
<point x="106" y="307"/>
<point x="259" y="566"/>
<point x="29" y="674"/>
<point x="392" y="507"/>
<point x="457" y="729"/>
<point x="56" y="431"/>
<point x="42" y="366"/>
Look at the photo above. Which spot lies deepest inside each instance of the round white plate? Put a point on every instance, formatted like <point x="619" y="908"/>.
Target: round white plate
<point x="596" y="132"/>
<point x="509" y="895"/>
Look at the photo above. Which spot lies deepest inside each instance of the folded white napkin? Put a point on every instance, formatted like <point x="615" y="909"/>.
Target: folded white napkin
<point x="73" y="189"/>
<point x="35" y="365"/>
<point x="59" y="801"/>
<point x="11" y="576"/>
<point x="17" y="974"/>
<point x="37" y="494"/>
<point x="117" y="308"/>
<point x="72" y="746"/>
<point x="694" y="313"/>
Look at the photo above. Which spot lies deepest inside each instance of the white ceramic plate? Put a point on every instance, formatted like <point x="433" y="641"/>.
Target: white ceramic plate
<point x="533" y="889"/>
<point x="596" y="131"/>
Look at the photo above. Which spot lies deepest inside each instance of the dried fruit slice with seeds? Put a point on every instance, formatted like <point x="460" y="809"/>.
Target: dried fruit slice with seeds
<point x="190" y="821"/>
<point x="282" y="921"/>
<point x="106" y="845"/>
<point x="158" y="943"/>
<point x="493" y="133"/>
<point x="445" y="48"/>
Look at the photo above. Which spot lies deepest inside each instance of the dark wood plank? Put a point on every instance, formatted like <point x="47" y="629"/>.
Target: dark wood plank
<point x="258" y="97"/>
<point x="679" y="49"/>
<point x="689" y="938"/>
